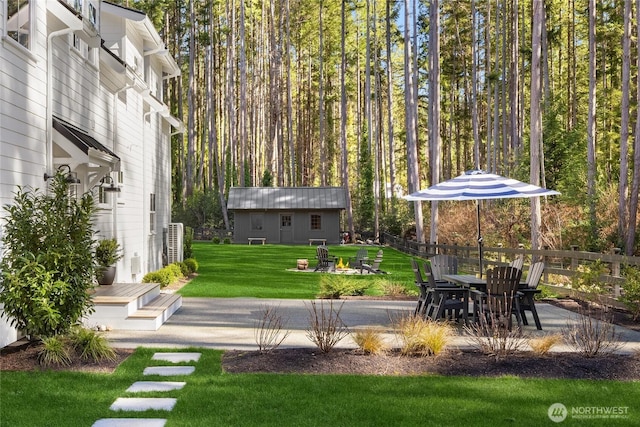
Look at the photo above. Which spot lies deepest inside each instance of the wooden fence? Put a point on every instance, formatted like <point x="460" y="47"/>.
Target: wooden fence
<point x="560" y="265"/>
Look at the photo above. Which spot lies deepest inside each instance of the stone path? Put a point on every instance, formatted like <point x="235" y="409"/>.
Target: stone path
<point x="137" y="404"/>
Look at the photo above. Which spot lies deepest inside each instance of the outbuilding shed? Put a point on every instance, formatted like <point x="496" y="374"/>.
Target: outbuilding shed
<point x="288" y="215"/>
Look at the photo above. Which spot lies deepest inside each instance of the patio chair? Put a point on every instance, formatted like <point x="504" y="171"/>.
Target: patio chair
<point x="518" y="262"/>
<point x="362" y="256"/>
<point x="443" y="264"/>
<point x="326" y="262"/>
<point x="501" y="299"/>
<point x="527" y="294"/>
<point x="445" y="301"/>
<point x="374" y="267"/>
<point x="424" y="297"/>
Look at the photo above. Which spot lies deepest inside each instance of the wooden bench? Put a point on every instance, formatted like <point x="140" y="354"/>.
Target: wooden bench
<point x="257" y="239"/>
<point x="323" y="241"/>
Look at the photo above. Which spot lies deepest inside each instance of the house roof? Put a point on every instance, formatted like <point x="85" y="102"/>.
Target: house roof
<point x="279" y="198"/>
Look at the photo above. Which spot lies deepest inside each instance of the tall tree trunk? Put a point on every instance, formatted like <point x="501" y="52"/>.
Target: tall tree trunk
<point x="343" y="119"/>
<point x="624" y="123"/>
<point x="413" y="175"/>
<point x="635" y="181"/>
<point x="434" y="99"/>
<point x="536" y="117"/>
<point x="591" y="121"/>
<point x="321" y="124"/>
<point x="474" y="85"/>
<point x="392" y="161"/>
<point x="242" y="114"/>
<point x="191" y="94"/>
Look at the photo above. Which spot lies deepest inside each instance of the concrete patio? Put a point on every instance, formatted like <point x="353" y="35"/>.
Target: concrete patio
<point x="229" y="323"/>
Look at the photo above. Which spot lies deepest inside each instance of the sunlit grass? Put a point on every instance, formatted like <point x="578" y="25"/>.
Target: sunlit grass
<point x="263" y="271"/>
<point x="214" y="398"/>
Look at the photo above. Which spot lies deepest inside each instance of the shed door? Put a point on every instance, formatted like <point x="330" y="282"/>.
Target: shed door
<point x="286" y="228"/>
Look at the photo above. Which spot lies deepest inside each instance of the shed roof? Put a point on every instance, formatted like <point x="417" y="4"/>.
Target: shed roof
<point x="279" y="198"/>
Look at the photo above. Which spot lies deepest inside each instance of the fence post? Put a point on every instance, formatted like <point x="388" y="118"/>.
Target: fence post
<point x="574" y="260"/>
<point x="501" y="254"/>
<point x="615" y="271"/>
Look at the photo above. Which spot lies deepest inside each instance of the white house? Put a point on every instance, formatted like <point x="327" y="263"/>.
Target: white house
<point x="81" y="91"/>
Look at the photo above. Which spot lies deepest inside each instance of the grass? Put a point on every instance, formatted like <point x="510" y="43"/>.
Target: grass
<point x="214" y="398"/>
<point x="261" y="271"/>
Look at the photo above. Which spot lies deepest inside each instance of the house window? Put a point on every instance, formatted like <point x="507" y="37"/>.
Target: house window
<point x="316" y="222"/>
<point x="152" y="213"/>
<point x="18" y="25"/>
<point x="256" y="222"/>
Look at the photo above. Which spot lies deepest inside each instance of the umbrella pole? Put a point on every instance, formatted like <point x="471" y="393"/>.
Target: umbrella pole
<point x="479" y="237"/>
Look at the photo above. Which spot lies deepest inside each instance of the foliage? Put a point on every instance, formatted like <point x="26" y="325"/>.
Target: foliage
<point x="542" y="345"/>
<point x="587" y="279"/>
<point x="165" y="276"/>
<point x="200" y="209"/>
<point x="215" y="239"/>
<point x="591" y="337"/>
<point x="326" y="328"/>
<point x="192" y="265"/>
<point x="337" y="285"/>
<point x="48" y="265"/>
<point x="226" y="241"/>
<point x="269" y="330"/>
<point x="370" y="340"/>
<point x="187" y="243"/>
<point x="631" y="290"/>
<point x="91" y="345"/>
<point x="107" y="252"/>
<point x="267" y="178"/>
<point x="365" y="196"/>
<point x="422" y="336"/>
<point x="55" y="351"/>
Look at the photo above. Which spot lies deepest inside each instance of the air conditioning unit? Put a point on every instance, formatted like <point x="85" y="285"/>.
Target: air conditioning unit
<point x="174" y="242"/>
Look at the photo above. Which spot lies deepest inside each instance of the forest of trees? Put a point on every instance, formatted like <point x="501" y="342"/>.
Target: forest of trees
<point x="387" y="97"/>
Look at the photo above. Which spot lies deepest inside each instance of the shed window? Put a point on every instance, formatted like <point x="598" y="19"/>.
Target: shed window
<point x="256" y="221"/>
<point x="316" y="222"/>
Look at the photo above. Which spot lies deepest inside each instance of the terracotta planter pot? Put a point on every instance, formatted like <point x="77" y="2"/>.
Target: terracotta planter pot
<point x="108" y="276"/>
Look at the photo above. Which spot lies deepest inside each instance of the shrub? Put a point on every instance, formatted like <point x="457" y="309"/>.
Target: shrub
<point x="337" y="285"/>
<point x="107" y="253"/>
<point x="269" y="329"/>
<point x="226" y="241"/>
<point x="215" y="240"/>
<point x="590" y="336"/>
<point x="631" y="291"/>
<point x="187" y="243"/>
<point x="48" y="264"/>
<point x="160" y="276"/>
<point x="91" y="345"/>
<point x="54" y="352"/>
<point x="192" y="265"/>
<point x="392" y="288"/>
<point x="423" y="336"/>
<point x="587" y="280"/>
<point x="542" y="345"/>
<point x="326" y="328"/>
<point x="370" y="340"/>
<point x="175" y="272"/>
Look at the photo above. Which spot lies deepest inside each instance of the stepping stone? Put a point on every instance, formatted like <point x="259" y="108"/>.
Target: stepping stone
<point x="130" y="422"/>
<point x="143" y="403"/>
<point x="166" y="371"/>
<point x="140" y="386"/>
<point x="177" y="357"/>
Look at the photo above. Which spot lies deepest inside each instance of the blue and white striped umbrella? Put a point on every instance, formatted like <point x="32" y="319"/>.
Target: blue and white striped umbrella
<point x="480" y="185"/>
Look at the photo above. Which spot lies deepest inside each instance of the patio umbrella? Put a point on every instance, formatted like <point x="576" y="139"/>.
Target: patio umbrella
<point x="479" y="185"/>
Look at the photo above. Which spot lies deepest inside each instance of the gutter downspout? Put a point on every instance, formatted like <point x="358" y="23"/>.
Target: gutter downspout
<point x="49" y="112"/>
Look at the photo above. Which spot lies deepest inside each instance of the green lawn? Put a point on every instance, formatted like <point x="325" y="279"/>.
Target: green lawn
<point x="261" y="271"/>
<point x="214" y="398"/>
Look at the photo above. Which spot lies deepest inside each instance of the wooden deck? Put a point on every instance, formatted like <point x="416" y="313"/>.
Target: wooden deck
<point x="121" y="293"/>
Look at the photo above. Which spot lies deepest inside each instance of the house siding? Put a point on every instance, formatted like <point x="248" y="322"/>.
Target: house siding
<point x="98" y="102"/>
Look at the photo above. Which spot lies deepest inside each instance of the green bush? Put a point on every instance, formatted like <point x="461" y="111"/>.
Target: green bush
<point x="48" y="264"/>
<point x="91" y="346"/>
<point x="192" y="264"/>
<point x="55" y="351"/>
<point x="160" y="276"/>
<point x="226" y="241"/>
<point x="184" y="268"/>
<point x="215" y="240"/>
<point x="631" y="291"/>
<point x="188" y="241"/>
<point x="336" y="285"/>
<point x="175" y="272"/>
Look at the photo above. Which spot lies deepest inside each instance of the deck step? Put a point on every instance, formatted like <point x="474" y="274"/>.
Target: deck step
<point x="132" y="306"/>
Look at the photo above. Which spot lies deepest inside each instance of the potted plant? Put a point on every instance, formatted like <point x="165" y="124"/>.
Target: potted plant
<point x="107" y="255"/>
